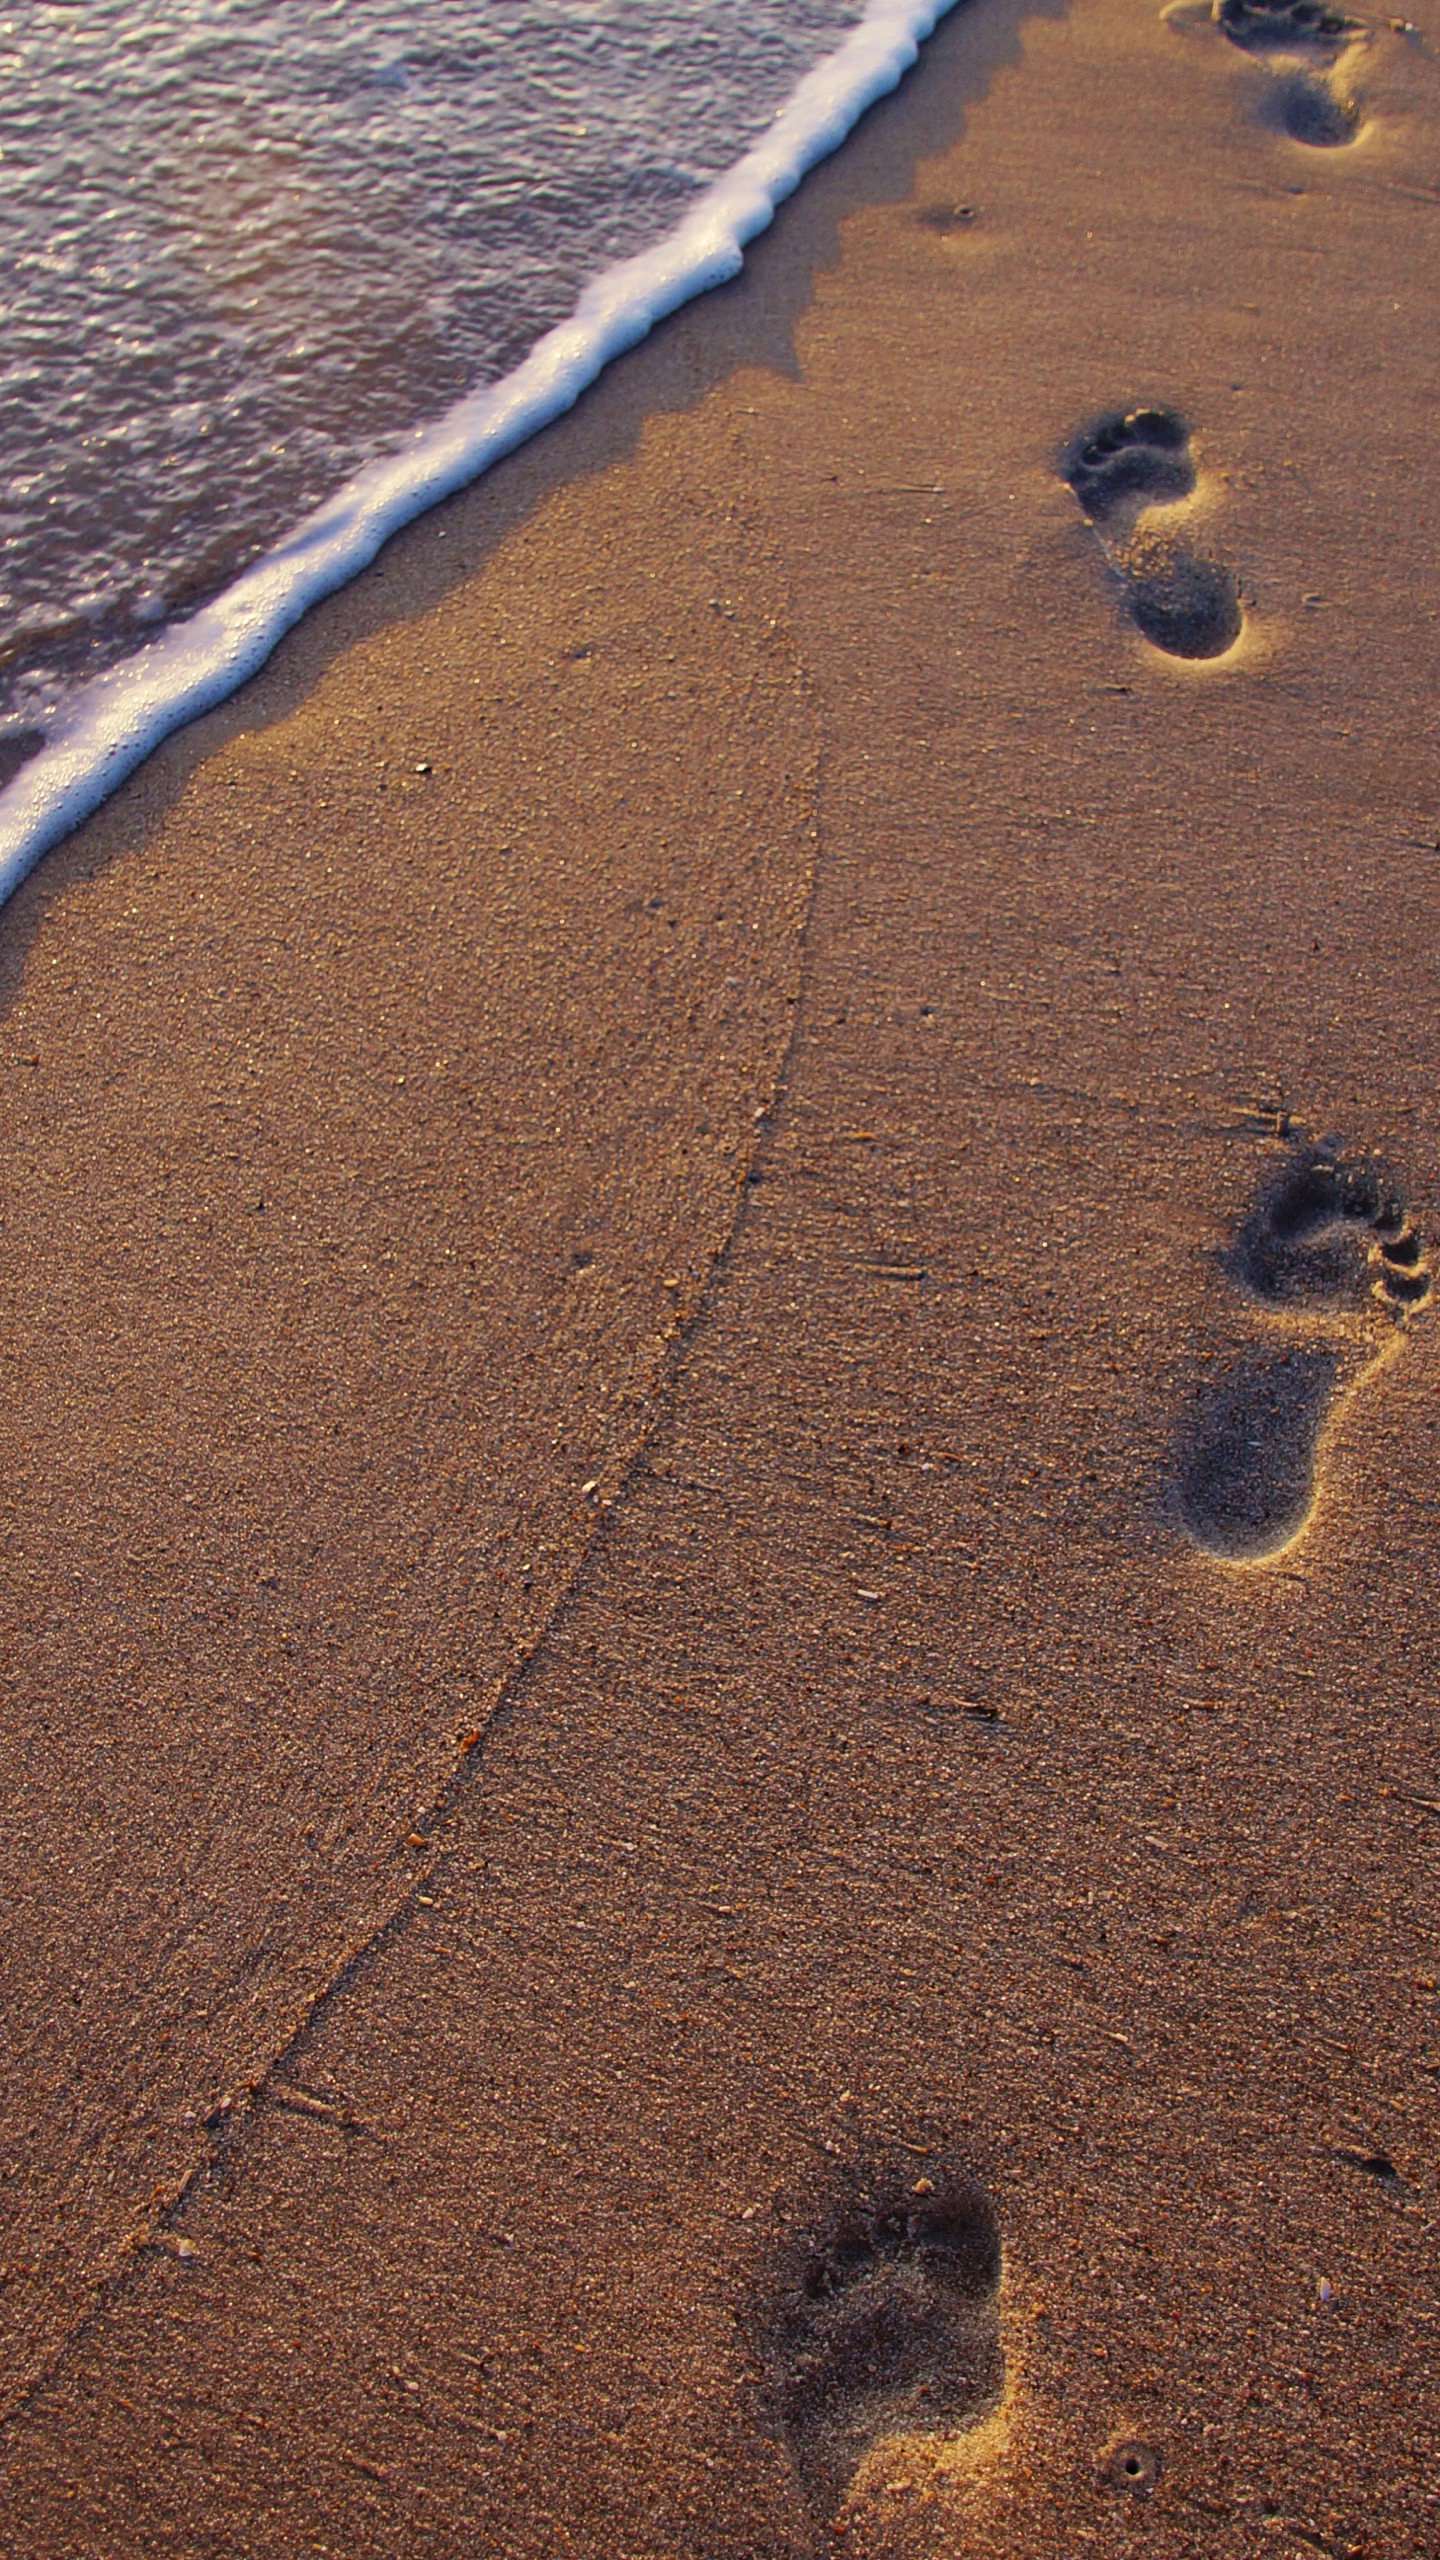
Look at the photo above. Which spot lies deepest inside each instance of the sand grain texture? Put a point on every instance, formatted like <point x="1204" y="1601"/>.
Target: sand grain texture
<point x="375" y="1119"/>
<point x="895" y="1779"/>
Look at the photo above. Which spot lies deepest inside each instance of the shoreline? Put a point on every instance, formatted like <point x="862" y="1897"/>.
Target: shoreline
<point x="114" y="723"/>
<point x="757" y="1006"/>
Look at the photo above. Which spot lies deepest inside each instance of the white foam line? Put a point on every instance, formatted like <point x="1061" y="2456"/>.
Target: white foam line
<point x="114" y="722"/>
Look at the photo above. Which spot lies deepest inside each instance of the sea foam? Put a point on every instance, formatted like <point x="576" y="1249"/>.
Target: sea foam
<point x="114" y="722"/>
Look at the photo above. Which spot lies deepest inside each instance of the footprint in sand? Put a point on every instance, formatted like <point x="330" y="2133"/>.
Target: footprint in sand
<point x="888" y="2329"/>
<point x="1121" y="468"/>
<point x="1307" y="51"/>
<point x="1332" y="1253"/>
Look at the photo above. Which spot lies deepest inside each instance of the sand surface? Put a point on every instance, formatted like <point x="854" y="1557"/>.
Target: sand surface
<point x="659" y="1131"/>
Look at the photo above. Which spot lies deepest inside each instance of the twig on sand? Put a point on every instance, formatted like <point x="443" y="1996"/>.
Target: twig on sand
<point x="304" y="2102"/>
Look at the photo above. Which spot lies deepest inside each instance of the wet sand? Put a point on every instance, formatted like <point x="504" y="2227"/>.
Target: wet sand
<point x="636" y="1682"/>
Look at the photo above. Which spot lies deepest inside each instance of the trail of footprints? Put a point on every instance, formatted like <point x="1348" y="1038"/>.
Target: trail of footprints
<point x="882" y="2340"/>
<point x="885" y="2329"/>
<point x="1332" y="1256"/>
<point x="1132" y="470"/>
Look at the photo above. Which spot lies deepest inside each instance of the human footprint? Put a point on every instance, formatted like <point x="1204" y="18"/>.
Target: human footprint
<point x="888" y="2327"/>
<point x="1331" y="1254"/>
<point x="1125" y="465"/>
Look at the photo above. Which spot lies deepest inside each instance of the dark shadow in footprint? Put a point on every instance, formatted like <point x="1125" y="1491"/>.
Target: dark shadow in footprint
<point x="1247" y="1466"/>
<point x="1188" y="607"/>
<point x="1286" y="26"/>
<point x="1305" y="101"/>
<point x="1127" y="462"/>
<point x="887" y="2323"/>
<point x="1311" y="111"/>
<point x="1328" y="1230"/>
<point x="1141" y="453"/>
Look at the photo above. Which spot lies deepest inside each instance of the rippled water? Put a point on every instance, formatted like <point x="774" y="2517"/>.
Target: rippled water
<point x="251" y="244"/>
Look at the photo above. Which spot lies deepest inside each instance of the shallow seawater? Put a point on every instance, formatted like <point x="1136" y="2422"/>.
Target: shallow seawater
<point x="253" y="244"/>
